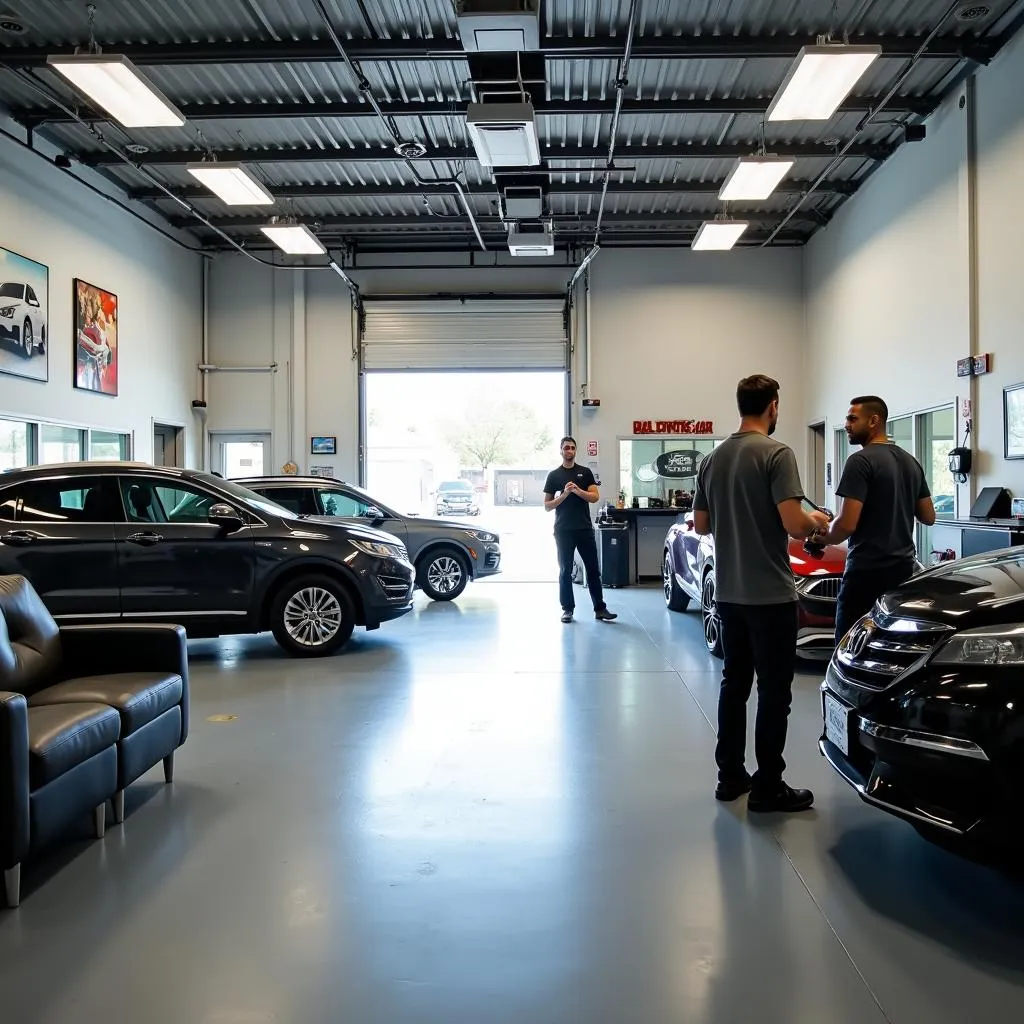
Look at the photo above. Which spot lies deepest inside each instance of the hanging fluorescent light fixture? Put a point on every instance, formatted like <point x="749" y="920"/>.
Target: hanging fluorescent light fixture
<point x="294" y="239"/>
<point x="232" y="183"/>
<point x="113" y="82"/>
<point x="719" y="234"/>
<point x="755" y="177"/>
<point x="819" y="80"/>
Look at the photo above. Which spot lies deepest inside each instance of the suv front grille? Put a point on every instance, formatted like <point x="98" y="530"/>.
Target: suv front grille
<point x="880" y="648"/>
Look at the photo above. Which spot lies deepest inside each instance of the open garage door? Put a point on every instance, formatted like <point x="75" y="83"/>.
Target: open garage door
<point x="464" y="334"/>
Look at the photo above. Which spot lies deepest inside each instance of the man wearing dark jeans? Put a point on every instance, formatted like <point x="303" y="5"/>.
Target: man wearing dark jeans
<point x="749" y="497"/>
<point x="570" y="490"/>
<point x="883" y="490"/>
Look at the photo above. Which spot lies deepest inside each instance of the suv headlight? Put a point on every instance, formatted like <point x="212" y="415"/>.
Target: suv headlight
<point x="482" y="535"/>
<point x="1000" y="645"/>
<point x="7" y="312"/>
<point x="376" y="547"/>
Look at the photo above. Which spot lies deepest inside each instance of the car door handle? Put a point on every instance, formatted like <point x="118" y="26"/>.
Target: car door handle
<point x="18" y="538"/>
<point x="146" y="538"/>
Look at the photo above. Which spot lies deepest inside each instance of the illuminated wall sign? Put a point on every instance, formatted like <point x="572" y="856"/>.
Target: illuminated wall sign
<point x="673" y="427"/>
<point x="678" y="465"/>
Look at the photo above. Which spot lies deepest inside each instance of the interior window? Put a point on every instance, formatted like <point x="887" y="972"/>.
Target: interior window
<point x="82" y="500"/>
<point x="341" y="503"/>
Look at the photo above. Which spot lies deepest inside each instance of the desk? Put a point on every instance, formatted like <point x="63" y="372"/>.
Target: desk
<point x="647" y="529"/>
<point x="966" y="537"/>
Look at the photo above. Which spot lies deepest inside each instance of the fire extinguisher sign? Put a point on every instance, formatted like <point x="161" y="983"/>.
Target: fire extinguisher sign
<point x="591" y="449"/>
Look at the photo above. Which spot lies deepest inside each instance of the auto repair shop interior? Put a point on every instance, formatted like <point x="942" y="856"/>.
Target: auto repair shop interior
<point x="290" y="728"/>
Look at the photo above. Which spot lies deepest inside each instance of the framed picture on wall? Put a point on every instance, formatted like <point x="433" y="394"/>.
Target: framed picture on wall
<point x="96" y="348"/>
<point x="1013" y="421"/>
<point x="322" y="445"/>
<point x="24" y="316"/>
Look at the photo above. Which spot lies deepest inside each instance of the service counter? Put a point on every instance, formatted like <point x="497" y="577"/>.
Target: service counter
<point x="647" y="529"/>
<point x="966" y="537"/>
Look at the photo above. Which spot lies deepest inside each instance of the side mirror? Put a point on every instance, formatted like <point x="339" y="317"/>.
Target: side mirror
<point x="223" y="515"/>
<point x="372" y="512"/>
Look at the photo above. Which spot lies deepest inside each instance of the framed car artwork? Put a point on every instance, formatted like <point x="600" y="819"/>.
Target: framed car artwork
<point x="96" y="342"/>
<point x="24" y="316"/>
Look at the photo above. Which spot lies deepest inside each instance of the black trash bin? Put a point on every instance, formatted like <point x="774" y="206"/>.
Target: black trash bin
<point x="613" y="550"/>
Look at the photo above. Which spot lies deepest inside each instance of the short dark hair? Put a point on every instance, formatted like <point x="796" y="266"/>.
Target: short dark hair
<point x="755" y="394"/>
<point x="873" y="406"/>
<point x="566" y="438"/>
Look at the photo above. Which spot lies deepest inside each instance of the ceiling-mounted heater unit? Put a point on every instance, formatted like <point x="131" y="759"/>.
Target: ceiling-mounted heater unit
<point x="532" y="238"/>
<point x="504" y="134"/>
<point x="523" y="202"/>
<point x="499" y="25"/>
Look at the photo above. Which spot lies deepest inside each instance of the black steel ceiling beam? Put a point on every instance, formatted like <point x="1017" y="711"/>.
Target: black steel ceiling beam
<point x="492" y="225"/>
<point x="558" y="154"/>
<point x="669" y="47"/>
<point x="554" y="189"/>
<point x="456" y="108"/>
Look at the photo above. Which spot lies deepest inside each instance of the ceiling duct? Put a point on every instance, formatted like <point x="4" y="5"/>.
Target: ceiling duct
<point x="504" y="134"/>
<point x="531" y="238"/>
<point x="499" y="26"/>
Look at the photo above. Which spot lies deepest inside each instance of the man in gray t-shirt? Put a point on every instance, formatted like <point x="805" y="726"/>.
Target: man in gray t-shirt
<point x="749" y="497"/>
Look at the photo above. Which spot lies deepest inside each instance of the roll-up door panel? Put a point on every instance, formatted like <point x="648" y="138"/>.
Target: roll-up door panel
<point x="474" y="334"/>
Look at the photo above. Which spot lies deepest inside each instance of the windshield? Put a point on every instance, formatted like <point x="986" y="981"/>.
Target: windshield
<point x="246" y="497"/>
<point x="456" y="485"/>
<point x="10" y="290"/>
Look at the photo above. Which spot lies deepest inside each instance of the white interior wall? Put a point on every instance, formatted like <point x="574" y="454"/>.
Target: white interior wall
<point x="52" y="219"/>
<point x="698" y="321"/>
<point x="889" y="304"/>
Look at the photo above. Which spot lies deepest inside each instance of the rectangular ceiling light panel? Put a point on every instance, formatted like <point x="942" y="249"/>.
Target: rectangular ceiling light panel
<point x="232" y="183"/>
<point x="294" y="239"/>
<point x="819" y="80"/>
<point x="755" y="177"/>
<point x="114" y="83"/>
<point x="719" y="234"/>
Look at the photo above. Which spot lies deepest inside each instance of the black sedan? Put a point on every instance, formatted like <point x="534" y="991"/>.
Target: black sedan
<point x="922" y="703"/>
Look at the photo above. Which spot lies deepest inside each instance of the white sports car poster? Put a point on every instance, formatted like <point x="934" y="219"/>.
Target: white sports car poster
<point x="24" y="309"/>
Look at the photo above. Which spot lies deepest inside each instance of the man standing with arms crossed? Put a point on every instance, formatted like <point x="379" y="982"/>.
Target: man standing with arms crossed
<point x="570" y="490"/>
<point x="883" y="489"/>
<point x="749" y="496"/>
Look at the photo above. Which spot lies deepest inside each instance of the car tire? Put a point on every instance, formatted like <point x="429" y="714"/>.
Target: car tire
<point x="28" y="344"/>
<point x="710" y="617"/>
<point x="676" y="599"/>
<point x="41" y="346"/>
<point x="312" y="616"/>
<point x="442" y="574"/>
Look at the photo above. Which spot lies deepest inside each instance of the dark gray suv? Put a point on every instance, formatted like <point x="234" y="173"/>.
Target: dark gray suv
<point x="447" y="555"/>
<point x="124" y="541"/>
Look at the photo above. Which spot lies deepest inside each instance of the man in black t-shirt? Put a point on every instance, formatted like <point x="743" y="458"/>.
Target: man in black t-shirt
<point x="883" y="490"/>
<point x="569" y="491"/>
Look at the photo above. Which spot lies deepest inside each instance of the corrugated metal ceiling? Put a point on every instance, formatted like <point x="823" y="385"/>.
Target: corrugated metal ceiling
<point x="354" y="151"/>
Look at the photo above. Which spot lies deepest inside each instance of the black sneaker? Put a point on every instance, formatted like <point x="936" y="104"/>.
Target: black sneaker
<point x="732" y="789"/>
<point x="785" y="799"/>
<point x="567" y="616"/>
<point x="605" y="616"/>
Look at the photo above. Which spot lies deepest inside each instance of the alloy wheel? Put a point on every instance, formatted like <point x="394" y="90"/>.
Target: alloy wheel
<point x="312" y="616"/>
<point x="712" y="620"/>
<point x="27" y="341"/>
<point x="666" y="577"/>
<point x="444" y="574"/>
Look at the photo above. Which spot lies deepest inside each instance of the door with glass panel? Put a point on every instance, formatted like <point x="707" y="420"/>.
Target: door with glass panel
<point x="238" y="455"/>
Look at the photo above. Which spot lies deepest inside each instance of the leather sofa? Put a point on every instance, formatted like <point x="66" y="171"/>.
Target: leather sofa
<point x="84" y="711"/>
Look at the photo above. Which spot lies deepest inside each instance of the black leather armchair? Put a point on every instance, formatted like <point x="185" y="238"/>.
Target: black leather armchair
<point x="84" y="711"/>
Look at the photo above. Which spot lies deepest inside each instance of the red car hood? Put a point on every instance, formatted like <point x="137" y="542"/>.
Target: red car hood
<point x="831" y="562"/>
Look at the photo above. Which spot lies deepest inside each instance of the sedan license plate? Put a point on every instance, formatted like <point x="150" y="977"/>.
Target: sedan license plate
<point x="837" y="728"/>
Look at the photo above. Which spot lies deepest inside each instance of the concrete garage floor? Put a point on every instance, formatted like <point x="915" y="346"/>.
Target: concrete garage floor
<point x="479" y="814"/>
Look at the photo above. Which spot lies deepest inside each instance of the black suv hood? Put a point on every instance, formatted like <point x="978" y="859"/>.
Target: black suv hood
<point x="978" y="591"/>
<point x="331" y="525"/>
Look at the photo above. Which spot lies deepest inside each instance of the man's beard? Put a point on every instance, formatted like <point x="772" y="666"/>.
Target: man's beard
<point x="771" y="426"/>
